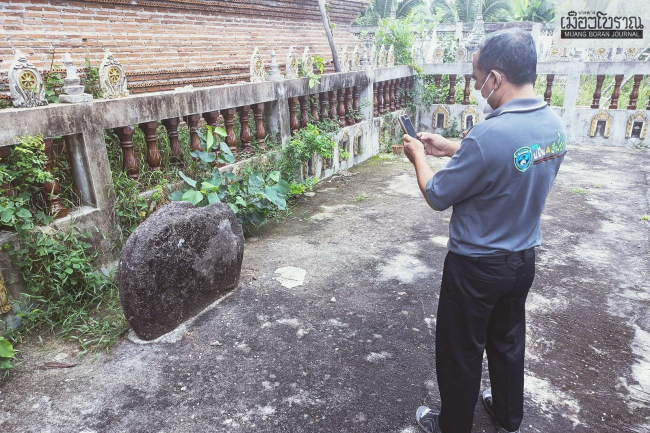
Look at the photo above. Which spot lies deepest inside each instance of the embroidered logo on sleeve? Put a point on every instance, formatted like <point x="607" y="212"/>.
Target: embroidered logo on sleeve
<point x="523" y="158"/>
<point x="552" y="151"/>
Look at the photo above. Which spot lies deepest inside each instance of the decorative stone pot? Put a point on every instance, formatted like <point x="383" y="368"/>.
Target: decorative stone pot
<point x="397" y="149"/>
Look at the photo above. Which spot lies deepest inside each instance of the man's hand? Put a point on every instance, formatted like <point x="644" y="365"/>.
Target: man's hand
<point x="413" y="148"/>
<point x="436" y="144"/>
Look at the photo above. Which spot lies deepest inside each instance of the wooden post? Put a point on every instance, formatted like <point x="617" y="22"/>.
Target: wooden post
<point x="51" y="188"/>
<point x="153" y="154"/>
<point x="229" y="122"/>
<point x="260" y="132"/>
<point x="341" y="106"/>
<point x="468" y="81"/>
<point x="380" y="96"/>
<point x="549" y="88"/>
<point x="245" y="131"/>
<point x="294" y="125"/>
<point x="304" y="110"/>
<point x="211" y="119"/>
<point x="193" y="124"/>
<point x="349" y="120"/>
<point x="313" y="100"/>
<point x="436" y="79"/>
<point x="356" y="94"/>
<point x="129" y="161"/>
<point x="452" y="88"/>
<point x="617" y="91"/>
<point x="175" y="153"/>
<point x="333" y="105"/>
<point x="375" y="101"/>
<point x="323" y="105"/>
<point x="386" y="96"/>
<point x="634" y="96"/>
<point x="597" y="93"/>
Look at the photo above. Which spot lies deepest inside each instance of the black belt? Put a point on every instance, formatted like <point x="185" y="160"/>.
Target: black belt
<point x="501" y="257"/>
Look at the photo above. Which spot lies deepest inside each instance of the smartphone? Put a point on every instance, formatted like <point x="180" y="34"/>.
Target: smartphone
<point x="407" y="126"/>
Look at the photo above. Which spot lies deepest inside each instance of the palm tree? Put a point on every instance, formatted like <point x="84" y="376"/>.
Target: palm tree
<point x="381" y="9"/>
<point x="539" y="11"/>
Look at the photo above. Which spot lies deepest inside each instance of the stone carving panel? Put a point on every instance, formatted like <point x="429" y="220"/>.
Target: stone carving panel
<point x="469" y="113"/>
<point x="112" y="78"/>
<point x="291" y="68"/>
<point x="356" y="59"/>
<point x="601" y="124"/>
<point x="345" y="60"/>
<point x="381" y="61"/>
<point x="438" y="55"/>
<point x="440" y="117"/>
<point x="390" y="57"/>
<point x="257" y="67"/>
<point x="307" y="61"/>
<point x="637" y="125"/>
<point x="25" y="83"/>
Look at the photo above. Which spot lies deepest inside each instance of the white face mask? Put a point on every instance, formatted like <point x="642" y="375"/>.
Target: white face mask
<point x="482" y="102"/>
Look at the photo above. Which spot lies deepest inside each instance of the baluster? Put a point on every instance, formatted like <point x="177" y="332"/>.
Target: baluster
<point x="393" y="107"/>
<point x="375" y="101"/>
<point x="229" y="122"/>
<point x="211" y="119"/>
<point x="396" y="93"/>
<point x="380" y="96"/>
<point x="617" y="91"/>
<point x="348" y="107"/>
<point x="293" y="115"/>
<point x="51" y="188"/>
<point x="341" y="106"/>
<point x="452" y="88"/>
<point x="260" y="132"/>
<point x="304" y="110"/>
<point x="313" y="100"/>
<point x="153" y="154"/>
<point x="468" y="81"/>
<point x="549" y="88"/>
<point x="175" y="153"/>
<point x="436" y="79"/>
<point x="245" y="131"/>
<point x="129" y="161"/>
<point x="356" y="93"/>
<point x="333" y="105"/>
<point x="599" y="85"/>
<point x="193" y="124"/>
<point x="386" y="97"/>
<point x="403" y="90"/>
<point x="634" y="96"/>
<point x="648" y="106"/>
<point x="323" y="105"/>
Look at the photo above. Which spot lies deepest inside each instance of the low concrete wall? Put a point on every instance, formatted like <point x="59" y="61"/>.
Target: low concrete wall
<point x="83" y="125"/>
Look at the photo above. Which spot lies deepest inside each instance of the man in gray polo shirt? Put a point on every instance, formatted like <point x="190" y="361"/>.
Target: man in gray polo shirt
<point x="497" y="181"/>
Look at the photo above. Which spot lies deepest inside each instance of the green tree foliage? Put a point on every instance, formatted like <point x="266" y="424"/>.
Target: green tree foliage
<point x="381" y="9"/>
<point x="539" y="11"/>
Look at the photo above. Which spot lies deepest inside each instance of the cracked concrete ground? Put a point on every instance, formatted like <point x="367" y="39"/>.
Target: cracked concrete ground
<point x="352" y="349"/>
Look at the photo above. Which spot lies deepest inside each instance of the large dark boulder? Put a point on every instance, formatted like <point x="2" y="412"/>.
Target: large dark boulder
<point x="176" y="263"/>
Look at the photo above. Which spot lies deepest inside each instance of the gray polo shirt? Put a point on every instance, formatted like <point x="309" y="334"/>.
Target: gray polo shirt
<point x="498" y="181"/>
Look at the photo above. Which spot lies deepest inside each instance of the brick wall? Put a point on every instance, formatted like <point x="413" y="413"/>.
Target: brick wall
<point x="165" y="44"/>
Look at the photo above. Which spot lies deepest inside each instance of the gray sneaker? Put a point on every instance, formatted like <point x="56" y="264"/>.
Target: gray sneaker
<point x="486" y="397"/>
<point x="427" y="420"/>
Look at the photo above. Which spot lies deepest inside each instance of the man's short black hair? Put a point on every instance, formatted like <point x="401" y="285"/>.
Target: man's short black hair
<point x="511" y="51"/>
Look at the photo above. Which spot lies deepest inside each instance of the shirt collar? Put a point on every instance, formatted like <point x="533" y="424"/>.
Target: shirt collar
<point x="518" y="105"/>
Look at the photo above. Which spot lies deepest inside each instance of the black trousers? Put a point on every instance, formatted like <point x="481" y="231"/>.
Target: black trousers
<point x="482" y="306"/>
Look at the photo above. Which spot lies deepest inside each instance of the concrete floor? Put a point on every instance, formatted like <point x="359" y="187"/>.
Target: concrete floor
<point x="352" y="349"/>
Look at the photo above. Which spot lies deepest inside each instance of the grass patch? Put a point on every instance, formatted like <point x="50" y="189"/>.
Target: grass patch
<point x="580" y="191"/>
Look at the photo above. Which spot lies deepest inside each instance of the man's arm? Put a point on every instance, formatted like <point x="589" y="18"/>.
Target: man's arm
<point x="414" y="150"/>
<point x="437" y="145"/>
